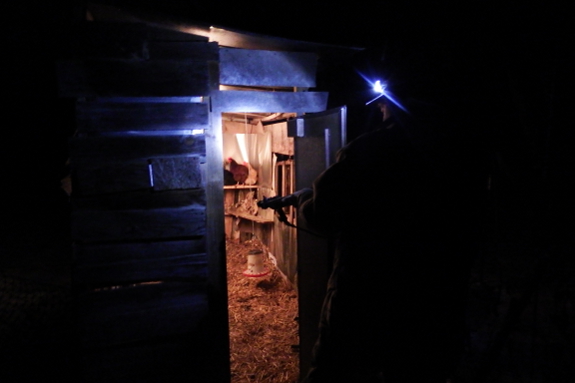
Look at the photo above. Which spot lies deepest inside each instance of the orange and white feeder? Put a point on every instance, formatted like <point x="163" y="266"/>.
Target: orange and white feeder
<point x="256" y="266"/>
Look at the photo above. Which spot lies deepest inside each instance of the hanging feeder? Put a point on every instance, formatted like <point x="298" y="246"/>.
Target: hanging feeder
<point x="256" y="266"/>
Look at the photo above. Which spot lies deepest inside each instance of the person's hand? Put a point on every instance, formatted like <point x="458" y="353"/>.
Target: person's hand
<point x="293" y="199"/>
<point x="274" y="202"/>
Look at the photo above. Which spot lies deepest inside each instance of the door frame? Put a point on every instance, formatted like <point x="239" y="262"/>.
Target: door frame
<point x="317" y="138"/>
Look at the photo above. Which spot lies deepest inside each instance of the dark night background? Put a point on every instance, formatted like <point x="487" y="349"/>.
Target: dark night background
<point x="521" y="52"/>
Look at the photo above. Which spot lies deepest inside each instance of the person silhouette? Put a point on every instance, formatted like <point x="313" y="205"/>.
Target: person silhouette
<point x="398" y="209"/>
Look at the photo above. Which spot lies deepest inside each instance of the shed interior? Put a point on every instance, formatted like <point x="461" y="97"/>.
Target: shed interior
<point x="260" y="142"/>
<point x="262" y="306"/>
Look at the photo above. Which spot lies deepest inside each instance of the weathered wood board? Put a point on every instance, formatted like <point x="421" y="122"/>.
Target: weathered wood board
<point x="128" y="175"/>
<point x="132" y="78"/>
<point x="120" y="264"/>
<point x="149" y="311"/>
<point x="176" y="173"/>
<point x="135" y="146"/>
<point x="137" y="224"/>
<point x="97" y="254"/>
<point x="142" y="117"/>
<point x="129" y="40"/>
<point x="143" y="199"/>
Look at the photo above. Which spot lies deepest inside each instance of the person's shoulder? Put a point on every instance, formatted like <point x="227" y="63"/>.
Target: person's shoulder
<point x="374" y="140"/>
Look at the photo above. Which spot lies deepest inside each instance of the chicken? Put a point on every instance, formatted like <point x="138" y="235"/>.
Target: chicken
<point x="240" y="172"/>
<point x="252" y="175"/>
<point x="228" y="177"/>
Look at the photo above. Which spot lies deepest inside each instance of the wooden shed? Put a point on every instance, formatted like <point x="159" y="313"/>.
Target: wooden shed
<point x="154" y="107"/>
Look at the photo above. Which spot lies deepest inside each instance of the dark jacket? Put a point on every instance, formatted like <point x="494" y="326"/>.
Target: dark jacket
<point x="396" y="208"/>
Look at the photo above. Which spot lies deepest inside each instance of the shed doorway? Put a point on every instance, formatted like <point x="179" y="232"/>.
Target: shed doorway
<point x="260" y="250"/>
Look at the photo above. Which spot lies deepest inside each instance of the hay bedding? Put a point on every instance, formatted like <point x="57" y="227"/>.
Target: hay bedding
<point x="263" y="320"/>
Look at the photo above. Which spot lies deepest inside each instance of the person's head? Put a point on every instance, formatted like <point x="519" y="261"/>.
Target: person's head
<point x="385" y="109"/>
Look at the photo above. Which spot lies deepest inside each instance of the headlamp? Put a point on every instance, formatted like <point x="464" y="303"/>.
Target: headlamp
<point x="381" y="89"/>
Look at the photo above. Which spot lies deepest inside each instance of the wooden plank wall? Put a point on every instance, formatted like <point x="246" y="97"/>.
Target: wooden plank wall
<point x="134" y="60"/>
<point x="139" y="220"/>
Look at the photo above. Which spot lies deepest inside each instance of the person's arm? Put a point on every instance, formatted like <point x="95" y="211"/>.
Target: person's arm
<point x="323" y="208"/>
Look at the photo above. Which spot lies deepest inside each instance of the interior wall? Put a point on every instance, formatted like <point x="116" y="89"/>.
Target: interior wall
<point x="252" y="144"/>
<point x="257" y="145"/>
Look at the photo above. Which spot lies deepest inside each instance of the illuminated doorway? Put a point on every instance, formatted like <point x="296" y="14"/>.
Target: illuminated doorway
<point x="262" y="305"/>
